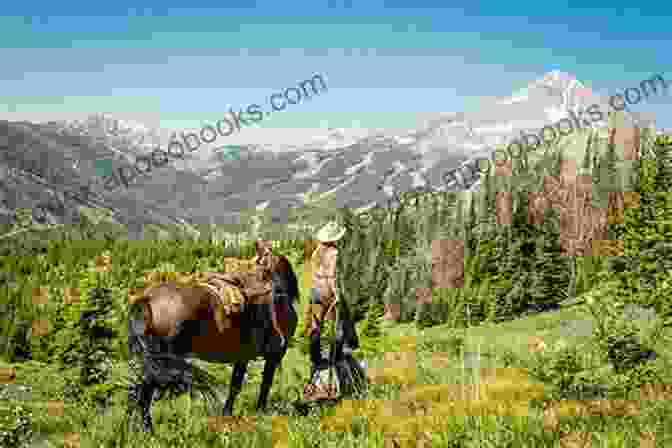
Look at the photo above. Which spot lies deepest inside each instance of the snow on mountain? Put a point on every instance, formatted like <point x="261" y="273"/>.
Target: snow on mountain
<point x="277" y="169"/>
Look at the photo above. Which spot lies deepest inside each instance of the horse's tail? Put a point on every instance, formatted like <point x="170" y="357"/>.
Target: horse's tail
<point x="158" y="363"/>
<point x="137" y="329"/>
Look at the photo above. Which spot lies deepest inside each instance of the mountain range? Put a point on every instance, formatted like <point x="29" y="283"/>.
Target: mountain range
<point x="42" y="164"/>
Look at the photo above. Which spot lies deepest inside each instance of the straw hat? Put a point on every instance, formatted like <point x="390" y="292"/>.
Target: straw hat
<point x="330" y="232"/>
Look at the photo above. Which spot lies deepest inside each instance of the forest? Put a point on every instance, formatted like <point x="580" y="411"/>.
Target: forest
<point x="578" y="233"/>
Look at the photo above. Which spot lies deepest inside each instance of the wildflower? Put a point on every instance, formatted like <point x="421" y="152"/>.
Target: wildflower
<point x="55" y="408"/>
<point x="631" y="200"/>
<point x="40" y="296"/>
<point x="537" y="345"/>
<point x="442" y="360"/>
<point x="280" y="432"/>
<point x="71" y="295"/>
<point x="647" y="439"/>
<point x="40" y="327"/>
<point x="551" y="420"/>
<point x="231" y="424"/>
<point x="71" y="440"/>
<point x="577" y="440"/>
<point x="7" y="375"/>
<point x="103" y="262"/>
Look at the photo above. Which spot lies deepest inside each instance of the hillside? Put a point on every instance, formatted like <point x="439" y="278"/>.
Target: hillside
<point x="491" y="371"/>
<point x="532" y="312"/>
<point x="41" y="162"/>
<point x="528" y="348"/>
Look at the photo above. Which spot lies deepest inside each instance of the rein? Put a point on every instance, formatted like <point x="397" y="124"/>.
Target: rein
<point x="332" y="354"/>
<point x="332" y="364"/>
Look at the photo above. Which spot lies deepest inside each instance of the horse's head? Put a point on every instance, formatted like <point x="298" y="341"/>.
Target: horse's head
<point x="263" y="247"/>
<point x="276" y="267"/>
<point x="265" y="258"/>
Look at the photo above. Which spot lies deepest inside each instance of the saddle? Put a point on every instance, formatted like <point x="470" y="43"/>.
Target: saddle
<point x="230" y="291"/>
<point x="233" y="291"/>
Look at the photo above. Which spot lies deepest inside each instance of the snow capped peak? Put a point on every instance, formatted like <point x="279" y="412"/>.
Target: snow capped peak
<point x="556" y="80"/>
<point x="557" y="75"/>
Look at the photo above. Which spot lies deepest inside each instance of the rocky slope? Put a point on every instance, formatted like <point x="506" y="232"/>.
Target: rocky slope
<point x="361" y="168"/>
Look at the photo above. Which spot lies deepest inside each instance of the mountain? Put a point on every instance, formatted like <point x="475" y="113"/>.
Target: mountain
<point x="49" y="167"/>
<point x="361" y="167"/>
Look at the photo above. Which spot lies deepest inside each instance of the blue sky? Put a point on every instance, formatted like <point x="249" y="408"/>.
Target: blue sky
<point x="384" y="62"/>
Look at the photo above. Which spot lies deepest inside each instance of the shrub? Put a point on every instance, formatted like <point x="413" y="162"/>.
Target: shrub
<point x="15" y="424"/>
<point x="371" y="332"/>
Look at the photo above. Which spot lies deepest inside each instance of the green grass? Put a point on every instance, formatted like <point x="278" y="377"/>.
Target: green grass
<point x="184" y="421"/>
<point x="419" y="378"/>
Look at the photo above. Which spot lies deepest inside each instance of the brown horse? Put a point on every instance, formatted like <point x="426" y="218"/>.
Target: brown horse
<point x="175" y="323"/>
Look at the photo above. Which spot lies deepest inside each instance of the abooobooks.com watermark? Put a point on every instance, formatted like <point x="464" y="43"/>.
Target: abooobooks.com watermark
<point x="191" y="141"/>
<point x="552" y="132"/>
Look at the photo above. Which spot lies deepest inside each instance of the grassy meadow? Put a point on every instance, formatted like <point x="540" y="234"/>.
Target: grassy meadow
<point x="534" y="349"/>
<point x="438" y="387"/>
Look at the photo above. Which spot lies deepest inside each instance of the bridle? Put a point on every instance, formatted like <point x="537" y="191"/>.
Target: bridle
<point x="266" y="261"/>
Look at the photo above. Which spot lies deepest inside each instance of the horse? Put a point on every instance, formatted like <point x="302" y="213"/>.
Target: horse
<point x="195" y="333"/>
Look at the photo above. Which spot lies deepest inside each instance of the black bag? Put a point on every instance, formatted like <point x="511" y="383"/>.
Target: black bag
<point x="343" y="378"/>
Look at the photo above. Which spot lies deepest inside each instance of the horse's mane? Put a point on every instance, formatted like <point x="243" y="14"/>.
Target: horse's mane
<point x="284" y="266"/>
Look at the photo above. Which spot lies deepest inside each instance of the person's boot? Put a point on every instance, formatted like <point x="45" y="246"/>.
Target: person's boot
<point x="318" y="361"/>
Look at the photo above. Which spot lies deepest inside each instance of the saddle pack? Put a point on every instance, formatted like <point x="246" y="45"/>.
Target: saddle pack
<point x="234" y="291"/>
<point x="241" y="284"/>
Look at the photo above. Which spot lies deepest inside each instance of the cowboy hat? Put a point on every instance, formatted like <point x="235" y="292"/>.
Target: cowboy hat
<point x="330" y="232"/>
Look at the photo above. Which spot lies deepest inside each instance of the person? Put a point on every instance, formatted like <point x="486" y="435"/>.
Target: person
<point x="323" y="292"/>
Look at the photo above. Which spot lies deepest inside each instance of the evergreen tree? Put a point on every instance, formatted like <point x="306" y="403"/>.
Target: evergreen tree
<point x="487" y="204"/>
<point x="647" y="232"/>
<point x="551" y="269"/>
<point x="607" y="181"/>
<point x="470" y="226"/>
<point x="596" y="172"/>
<point x="556" y="169"/>
<point x="587" y="156"/>
<point x="372" y="332"/>
<point x="523" y="263"/>
<point x="663" y="153"/>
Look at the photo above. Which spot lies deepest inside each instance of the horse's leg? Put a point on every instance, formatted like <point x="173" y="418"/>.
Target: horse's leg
<point x="271" y="363"/>
<point x="146" y="397"/>
<point x="239" y="369"/>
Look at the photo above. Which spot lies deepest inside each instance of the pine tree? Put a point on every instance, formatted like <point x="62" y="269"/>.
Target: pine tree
<point x="371" y="329"/>
<point x="596" y="171"/>
<point x="469" y="226"/>
<point x="551" y="269"/>
<point x="556" y="169"/>
<point x="608" y="181"/>
<point x="587" y="157"/>
<point x="663" y="153"/>
<point x="647" y="232"/>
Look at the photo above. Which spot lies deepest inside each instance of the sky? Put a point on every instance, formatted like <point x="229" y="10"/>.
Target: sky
<point x="385" y="62"/>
